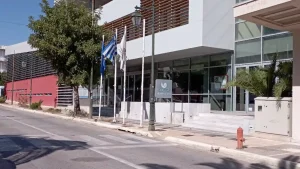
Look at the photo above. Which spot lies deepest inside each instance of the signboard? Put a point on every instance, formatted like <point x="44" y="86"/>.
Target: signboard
<point x="163" y="89"/>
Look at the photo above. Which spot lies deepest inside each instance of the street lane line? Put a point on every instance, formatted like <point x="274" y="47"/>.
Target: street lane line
<point x="96" y="151"/>
<point x="94" y="140"/>
<point x="141" y="138"/>
<point x="118" y="139"/>
<point x="136" y="146"/>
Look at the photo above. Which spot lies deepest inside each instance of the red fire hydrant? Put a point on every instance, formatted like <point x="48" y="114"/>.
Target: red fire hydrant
<point x="240" y="138"/>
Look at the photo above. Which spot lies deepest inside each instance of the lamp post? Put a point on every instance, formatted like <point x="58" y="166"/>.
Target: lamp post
<point x="136" y="20"/>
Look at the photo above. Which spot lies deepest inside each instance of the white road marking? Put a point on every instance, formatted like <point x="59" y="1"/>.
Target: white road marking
<point x="7" y="144"/>
<point x="96" y="151"/>
<point x="67" y="141"/>
<point x="141" y="138"/>
<point x="136" y="146"/>
<point x="118" y="139"/>
<point x="94" y="140"/>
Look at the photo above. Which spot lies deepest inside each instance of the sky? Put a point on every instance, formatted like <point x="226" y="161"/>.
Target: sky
<point x="14" y="16"/>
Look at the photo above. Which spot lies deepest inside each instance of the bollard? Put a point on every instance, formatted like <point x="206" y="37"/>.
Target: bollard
<point x="240" y="138"/>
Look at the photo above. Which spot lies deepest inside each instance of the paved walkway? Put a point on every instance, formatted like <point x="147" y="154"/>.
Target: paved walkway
<point x="260" y="146"/>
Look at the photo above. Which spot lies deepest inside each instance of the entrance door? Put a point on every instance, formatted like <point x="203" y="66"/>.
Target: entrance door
<point x="244" y="101"/>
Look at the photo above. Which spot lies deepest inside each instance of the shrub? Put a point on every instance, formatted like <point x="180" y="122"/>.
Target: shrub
<point x="2" y="99"/>
<point x="52" y="110"/>
<point x="36" y="105"/>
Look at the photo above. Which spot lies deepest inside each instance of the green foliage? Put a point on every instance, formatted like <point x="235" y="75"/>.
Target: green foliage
<point x="2" y="99"/>
<point x="36" y="105"/>
<point x="68" y="36"/>
<point x="3" y="77"/>
<point x="65" y="36"/>
<point x="266" y="82"/>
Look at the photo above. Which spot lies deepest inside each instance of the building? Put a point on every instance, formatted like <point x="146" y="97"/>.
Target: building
<point x="280" y="15"/>
<point x="3" y="60"/>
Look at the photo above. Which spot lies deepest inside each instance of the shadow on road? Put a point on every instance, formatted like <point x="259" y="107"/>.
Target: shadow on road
<point x="16" y="150"/>
<point x="229" y="163"/>
<point x="157" y="166"/>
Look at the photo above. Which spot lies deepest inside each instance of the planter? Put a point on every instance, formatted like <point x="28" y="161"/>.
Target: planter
<point x="273" y="116"/>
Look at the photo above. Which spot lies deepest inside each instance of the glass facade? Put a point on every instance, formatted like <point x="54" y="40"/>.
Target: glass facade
<point x="195" y="80"/>
<point x="255" y="46"/>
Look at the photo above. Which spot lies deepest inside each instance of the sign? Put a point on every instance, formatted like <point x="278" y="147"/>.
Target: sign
<point x="163" y="89"/>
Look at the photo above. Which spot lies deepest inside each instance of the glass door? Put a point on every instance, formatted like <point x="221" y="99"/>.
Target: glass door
<point x="244" y="101"/>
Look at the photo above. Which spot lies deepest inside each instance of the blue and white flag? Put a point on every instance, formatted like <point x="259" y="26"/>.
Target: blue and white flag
<point x="103" y="62"/>
<point x="110" y="51"/>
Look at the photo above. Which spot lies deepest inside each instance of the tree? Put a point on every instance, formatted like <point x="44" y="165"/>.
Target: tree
<point x="66" y="36"/>
<point x="266" y="82"/>
<point x="3" y="76"/>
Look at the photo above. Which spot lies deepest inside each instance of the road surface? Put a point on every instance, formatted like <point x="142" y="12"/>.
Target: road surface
<point x="31" y="141"/>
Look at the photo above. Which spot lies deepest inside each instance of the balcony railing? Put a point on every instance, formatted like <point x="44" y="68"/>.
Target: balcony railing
<point x="168" y="14"/>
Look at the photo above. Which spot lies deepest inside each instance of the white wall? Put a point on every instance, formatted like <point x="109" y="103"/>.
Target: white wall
<point x="117" y="9"/>
<point x="18" y="48"/>
<point x="218" y="24"/>
<point x="211" y="24"/>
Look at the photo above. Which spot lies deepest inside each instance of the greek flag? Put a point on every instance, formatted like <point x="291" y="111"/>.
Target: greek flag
<point x="103" y="62"/>
<point x="110" y="51"/>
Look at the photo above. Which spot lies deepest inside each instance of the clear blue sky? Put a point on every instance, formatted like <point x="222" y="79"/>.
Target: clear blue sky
<point x="14" y="16"/>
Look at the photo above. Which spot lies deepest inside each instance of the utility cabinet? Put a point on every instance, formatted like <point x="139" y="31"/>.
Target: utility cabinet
<point x="273" y="116"/>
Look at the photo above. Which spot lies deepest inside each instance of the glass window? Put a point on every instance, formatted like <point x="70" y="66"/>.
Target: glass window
<point x="199" y="81"/>
<point x="180" y="82"/>
<point x="268" y="31"/>
<point x="164" y="66"/>
<point x="137" y="92"/>
<point x="247" y="30"/>
<point x="181" y="98"/>
<point x="199" y="62"/>
<point x="220" y="102"/>
<point x="218" y="78"/>
<point x="221" y="59"/>
<point x="280" y="44"/>
<point x="248" y="51"/>
<point x="182" y="64"/>
<point x="239" y="1"/>
<point x="198" y="98"/>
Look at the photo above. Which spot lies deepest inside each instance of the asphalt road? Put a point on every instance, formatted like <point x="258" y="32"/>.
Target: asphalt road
<point x="31" y="141"/>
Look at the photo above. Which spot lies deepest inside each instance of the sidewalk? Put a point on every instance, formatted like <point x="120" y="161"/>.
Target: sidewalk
<point x="276" y="154"/>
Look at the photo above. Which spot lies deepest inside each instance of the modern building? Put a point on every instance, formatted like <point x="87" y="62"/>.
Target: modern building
<point x="3" y="60"/>
<point x="280" y="15"/>
<point x="199" y="45"/>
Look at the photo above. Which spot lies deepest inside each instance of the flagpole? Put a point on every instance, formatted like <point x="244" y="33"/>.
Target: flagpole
<point x="115" y="84"/>
<point x="101" y="84"/>
<point x="142" y="83"/>
<point x="124" y="95"/>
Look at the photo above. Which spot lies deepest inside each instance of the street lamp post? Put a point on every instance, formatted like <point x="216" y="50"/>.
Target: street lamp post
<point x="136" y="19"/>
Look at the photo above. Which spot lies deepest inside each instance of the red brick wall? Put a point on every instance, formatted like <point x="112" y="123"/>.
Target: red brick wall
<point x="43" y="88"/>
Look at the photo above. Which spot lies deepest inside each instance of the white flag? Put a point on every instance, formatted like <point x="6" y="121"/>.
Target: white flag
<point x="122" y="51"/>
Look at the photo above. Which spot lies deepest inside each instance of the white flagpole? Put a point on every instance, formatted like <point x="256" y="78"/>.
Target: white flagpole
<point x="124" y="95"/>
<point x="142" y="82"/>
<point x="101" y="85"/>
<point x="115" y="84"/>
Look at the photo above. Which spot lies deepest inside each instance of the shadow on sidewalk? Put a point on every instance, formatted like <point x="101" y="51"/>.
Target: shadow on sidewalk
<point x="229" y="163"/>
<point x="16" y="150"/>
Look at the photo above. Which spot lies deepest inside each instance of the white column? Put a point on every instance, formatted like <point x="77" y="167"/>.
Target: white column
<point x="296" y="87"/>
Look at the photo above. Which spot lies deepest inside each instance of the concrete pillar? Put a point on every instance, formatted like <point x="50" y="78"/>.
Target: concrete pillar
<point x="296" y="87"/>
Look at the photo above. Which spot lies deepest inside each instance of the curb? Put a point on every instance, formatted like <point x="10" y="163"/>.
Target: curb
<point x="99" y="124"/>
<point x="242" y="155"/>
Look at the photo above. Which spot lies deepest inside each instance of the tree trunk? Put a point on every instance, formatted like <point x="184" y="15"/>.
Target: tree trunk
<point x="76" y="101"/>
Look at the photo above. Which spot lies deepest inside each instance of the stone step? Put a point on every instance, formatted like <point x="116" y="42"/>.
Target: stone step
<point x="216" y="122"/>
<point x="212" y="128"/>
<point x="221" y="116"/>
